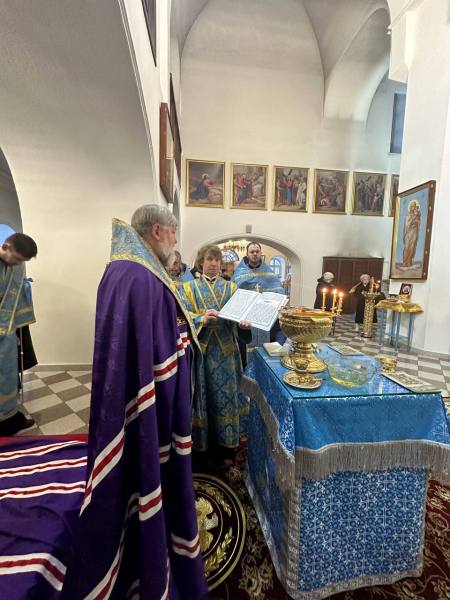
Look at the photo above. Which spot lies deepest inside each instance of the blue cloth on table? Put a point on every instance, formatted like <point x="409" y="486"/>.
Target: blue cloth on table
<point x="382" y="409"/>
<point x="355" y="526"/>
<point x="350" y="525"/>
<point x="360" y="525"/>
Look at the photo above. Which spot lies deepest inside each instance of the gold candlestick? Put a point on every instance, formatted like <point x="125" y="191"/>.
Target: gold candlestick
<point x="339" y="308"/>
<point x="333" y="306"/>
<point x="324" y="294"/>
<point x="369" y="309"/>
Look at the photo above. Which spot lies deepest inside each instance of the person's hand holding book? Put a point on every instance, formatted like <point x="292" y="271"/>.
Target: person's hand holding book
<point x="210" y="315"/>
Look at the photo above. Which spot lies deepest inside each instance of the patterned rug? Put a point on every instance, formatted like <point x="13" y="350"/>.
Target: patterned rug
<point x="254" y="576"/>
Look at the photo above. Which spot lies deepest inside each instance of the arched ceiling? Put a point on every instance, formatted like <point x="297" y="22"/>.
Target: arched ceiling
<point x="184" y="14"/>
<point x="272" y="34"/>
<point x="336" y="24"/>
<point x="355" y="77"/>
<point x="350" y="37"/>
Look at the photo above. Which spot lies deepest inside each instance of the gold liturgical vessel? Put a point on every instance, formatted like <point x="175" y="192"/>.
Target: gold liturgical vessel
<point x="304" y="327"/>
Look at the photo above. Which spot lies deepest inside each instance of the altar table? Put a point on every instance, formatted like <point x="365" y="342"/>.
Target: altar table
<point x="339" y="477"/>
<point x="398" y="309"/>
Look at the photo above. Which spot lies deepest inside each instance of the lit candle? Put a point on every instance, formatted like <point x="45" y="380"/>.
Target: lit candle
<point x="333" y="306"/>
<point x="372" y="281"/>
<point x="339" y="308"/>
<point x="324" y="293"/>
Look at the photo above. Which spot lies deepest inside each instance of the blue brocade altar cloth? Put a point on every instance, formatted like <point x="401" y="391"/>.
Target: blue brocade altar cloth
<point x="339" y="477"/>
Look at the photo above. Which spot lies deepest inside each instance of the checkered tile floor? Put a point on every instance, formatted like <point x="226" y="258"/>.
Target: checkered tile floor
<point x="59" y="401"/>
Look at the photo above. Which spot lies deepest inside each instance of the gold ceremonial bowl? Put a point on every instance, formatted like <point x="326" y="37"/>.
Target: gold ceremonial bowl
<point x="303" y="327"/>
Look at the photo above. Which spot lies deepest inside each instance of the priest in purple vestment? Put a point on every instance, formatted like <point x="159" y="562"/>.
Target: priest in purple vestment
<point x="137" y="532"/>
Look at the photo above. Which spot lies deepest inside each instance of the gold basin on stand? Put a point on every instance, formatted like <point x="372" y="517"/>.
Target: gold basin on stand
<point x="304" y="327"/>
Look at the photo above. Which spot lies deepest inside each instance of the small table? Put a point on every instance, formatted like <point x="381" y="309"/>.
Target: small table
<point x="338" y="477"/>
<point x="398" y="308"/>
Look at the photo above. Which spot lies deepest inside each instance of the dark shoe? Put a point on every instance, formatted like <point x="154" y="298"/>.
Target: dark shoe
<point x="15" y="424"/>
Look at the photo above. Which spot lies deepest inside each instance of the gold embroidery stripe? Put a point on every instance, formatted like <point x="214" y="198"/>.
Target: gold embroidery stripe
<point x="166" y="281"/>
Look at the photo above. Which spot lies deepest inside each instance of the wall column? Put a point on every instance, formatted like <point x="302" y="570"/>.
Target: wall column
<point x="426" y="152"/>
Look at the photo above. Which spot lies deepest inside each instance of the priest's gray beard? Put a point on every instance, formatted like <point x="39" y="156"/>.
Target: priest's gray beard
<point x="166" y="255"/>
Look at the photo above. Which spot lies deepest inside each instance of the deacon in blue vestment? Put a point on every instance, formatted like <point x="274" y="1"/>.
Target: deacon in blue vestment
<point x="252" y="273"/>
<point x="16" y="311"/>
<point x="220" y="410"/>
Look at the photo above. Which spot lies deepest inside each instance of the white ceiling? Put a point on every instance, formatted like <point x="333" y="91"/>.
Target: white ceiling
<point x="272" y="34"/>
<point x="349" y="37"/>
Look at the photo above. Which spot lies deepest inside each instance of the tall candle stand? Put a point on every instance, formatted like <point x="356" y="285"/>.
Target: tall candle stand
<point x="369" y="309"/>
<point x="336" y="310"/>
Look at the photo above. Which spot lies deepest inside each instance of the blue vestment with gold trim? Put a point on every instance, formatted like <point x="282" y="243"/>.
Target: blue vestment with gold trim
<point x="16" y="310"/>
<point x="220" y="410"/>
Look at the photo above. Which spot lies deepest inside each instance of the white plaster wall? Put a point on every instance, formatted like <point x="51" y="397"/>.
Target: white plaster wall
<point x="152" y="82"/>
<point x="72" y="130"/>
<point x="243" y="101"/>
<point x="426" y="155"/>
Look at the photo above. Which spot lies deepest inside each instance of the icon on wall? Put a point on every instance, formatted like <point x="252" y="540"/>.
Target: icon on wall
<point x="205" y="183"/>
<point x="249" y="186"/>
<point x="330" y="191"/>
<point x="290" y="189"/>
<point x="411" y="238"/>
<point x="368" y="194"/>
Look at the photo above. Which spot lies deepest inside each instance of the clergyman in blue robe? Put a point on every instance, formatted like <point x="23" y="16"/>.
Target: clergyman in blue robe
<point x="16" y="311"/>
<point x="254" y="274"/>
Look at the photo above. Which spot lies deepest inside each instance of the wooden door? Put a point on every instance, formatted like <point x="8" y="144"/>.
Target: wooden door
<point x="347" y="271"/>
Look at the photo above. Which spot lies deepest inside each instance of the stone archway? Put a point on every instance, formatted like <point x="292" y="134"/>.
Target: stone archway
<point x="290" y="254"/>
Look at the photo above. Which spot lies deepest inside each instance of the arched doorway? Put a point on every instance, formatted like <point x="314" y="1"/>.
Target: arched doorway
<point x="10" y="217"/>
<point x="280" y="248"/>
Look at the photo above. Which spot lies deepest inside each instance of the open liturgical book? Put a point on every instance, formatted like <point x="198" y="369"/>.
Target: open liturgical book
<point x="260" y="309"/>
